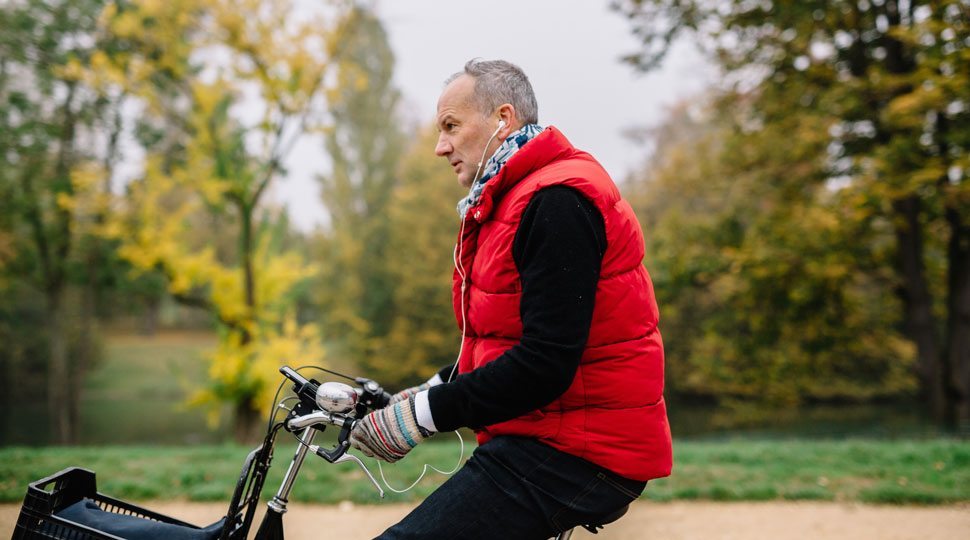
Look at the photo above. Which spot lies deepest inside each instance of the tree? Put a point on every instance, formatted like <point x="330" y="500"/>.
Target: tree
<point x="52" y="157"/>
<point x="889" y="80"/>
<point x="190" y="64"/>
<point x="769" y="297"/>
<point x="365" y="147"/>
<point x="423" y="222"/>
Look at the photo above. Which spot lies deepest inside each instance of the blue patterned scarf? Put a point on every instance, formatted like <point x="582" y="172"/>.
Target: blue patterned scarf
<point x="509" y="147"/>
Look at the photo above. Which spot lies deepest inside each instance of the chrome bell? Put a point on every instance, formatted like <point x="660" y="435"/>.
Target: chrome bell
<point x="336" y="397"/>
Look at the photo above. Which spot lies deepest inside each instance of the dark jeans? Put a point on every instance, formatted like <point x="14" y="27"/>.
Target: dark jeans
<point x="515" y="487"/>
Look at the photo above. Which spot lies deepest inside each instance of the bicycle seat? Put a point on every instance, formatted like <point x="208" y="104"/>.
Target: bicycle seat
<point x="609" y="518"/>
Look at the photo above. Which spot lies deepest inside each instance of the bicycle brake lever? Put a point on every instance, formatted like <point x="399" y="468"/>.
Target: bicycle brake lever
<point x="334" y="454"/>
<point x="340" y="455"/>
<point x="355" y="459"/>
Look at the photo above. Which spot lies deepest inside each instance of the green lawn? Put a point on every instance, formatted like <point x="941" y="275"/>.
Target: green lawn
<point x="209" y="473"/>
<point x="895" y="472"/>
<point x="137" y="394"/>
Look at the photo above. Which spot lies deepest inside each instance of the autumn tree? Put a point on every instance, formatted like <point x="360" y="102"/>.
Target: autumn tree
<point x="770" y="294"/>
<point x="885" y="85"/>
<point x="422" y="333"/>
<point x="226" y="89"/>
<point x="365" y="146"/>
<point x="57" y="150"/>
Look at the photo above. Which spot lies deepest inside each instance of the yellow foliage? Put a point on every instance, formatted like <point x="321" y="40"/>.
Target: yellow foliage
<point x="259" y="46"/>
<point x="251" y="368"/>
<point x="65" y="202"/>
<point x="71" y="71"/>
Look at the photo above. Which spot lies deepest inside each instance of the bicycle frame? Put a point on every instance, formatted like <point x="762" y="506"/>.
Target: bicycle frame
<point x="318" y="406"/>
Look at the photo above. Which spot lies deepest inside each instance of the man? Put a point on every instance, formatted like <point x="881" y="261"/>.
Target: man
<point x="561" y="364"/>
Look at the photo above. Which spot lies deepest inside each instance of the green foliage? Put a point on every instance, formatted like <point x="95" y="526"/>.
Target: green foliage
<point x="423" y="335"/>
<point x="47" y="116"/>
<point x="834" y="173"/>
<point x="893" y="472"/>
<point x="766" y="295"/>
<point x="53" y="174"/>
<point x="364" y="146"/>
<point x="386" y="250"/>
<point x="206" y="164"/>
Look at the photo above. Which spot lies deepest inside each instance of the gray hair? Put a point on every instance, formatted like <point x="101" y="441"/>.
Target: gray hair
<point x="498" y="82"/>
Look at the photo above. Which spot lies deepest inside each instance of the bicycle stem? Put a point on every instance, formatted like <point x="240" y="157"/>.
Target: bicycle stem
<point x="278" y="502"/>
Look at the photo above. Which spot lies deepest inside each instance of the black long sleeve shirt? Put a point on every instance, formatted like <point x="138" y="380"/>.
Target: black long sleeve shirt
<point x="558" y="250"/>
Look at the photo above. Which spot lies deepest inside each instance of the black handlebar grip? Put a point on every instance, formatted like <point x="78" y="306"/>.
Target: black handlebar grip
<point x="384" y="400"/>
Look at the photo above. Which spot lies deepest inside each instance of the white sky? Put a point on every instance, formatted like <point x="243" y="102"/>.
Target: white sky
<point x="570" y="50"/>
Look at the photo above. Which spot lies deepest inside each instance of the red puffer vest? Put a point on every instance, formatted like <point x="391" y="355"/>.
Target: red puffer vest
<point x="613" y="414"/>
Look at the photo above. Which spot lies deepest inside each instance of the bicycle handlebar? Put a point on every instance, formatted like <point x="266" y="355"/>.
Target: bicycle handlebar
<point x="335" y="404"/>
<point x="319" y="405"/>
<point x="316" y="418"/>
<point x="371" y="394"/>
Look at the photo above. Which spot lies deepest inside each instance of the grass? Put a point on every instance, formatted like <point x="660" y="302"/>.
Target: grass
<point x="897" y="472"/>
<point x="209" y="473"/>
<point x="136" y="396"/>
<point x="138" y="393"/>
<point x="922" y="472"/>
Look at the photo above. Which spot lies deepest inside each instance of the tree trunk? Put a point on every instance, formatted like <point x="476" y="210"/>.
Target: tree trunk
<point x="58" y="373"/>
<point x="956" y="357"/>
<point x="88" y="345"/>
<point x="9" y="374"/>
<point x="919" y="321"/>
<point x="247" y="420"/>
<point x="149" y="316"/>
<point x="247" y="423"/>
<point x="249" y="277"/>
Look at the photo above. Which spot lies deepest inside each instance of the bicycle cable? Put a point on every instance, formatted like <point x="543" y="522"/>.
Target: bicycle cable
<point x="424" y="469"/>
<point x="275" y="406"/>
<point x="330" y="371"/>
<point x="456" y="258"/>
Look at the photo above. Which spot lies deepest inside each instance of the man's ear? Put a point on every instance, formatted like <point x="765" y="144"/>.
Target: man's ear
<point x="506" y="113"/>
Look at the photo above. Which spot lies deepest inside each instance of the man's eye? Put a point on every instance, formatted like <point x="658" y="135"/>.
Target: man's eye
<point x="450" y="126"/>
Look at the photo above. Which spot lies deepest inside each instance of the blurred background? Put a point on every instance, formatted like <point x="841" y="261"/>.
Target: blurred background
<point x="195" y="192"/>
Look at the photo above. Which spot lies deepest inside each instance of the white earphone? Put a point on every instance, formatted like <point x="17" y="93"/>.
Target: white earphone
<point x="501" y="124"/>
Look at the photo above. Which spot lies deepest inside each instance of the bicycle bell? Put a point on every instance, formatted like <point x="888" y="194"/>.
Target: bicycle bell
<point x="336" y="397"/>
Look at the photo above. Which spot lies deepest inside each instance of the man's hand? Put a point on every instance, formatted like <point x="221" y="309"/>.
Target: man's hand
<point x="409" y="393"/>
<point x="390" y="433"/>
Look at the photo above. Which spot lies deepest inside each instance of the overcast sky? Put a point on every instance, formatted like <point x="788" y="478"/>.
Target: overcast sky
<point x="570" y="50"/>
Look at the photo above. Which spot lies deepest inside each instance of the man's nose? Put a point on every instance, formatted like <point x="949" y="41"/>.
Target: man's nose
<point x="443" y="148"/>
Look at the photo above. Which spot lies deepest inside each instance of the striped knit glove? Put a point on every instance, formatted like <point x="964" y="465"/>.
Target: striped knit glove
<point x="389" y="433"/>
<point x="409" y="392"/>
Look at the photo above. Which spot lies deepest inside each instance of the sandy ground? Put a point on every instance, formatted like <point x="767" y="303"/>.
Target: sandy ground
<point x="670" y="521"/>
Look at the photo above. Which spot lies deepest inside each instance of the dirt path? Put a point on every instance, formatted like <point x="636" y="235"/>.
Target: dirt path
<point x="672" y="521"/>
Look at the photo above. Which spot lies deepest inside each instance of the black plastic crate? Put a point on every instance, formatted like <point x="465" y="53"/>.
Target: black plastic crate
<point x="48" y="496"/>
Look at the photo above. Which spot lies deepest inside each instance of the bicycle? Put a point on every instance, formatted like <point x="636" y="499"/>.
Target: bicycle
<point x="67" y="505"/>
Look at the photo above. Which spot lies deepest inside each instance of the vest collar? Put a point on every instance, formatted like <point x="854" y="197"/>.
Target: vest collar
<point x="548" y="146"/>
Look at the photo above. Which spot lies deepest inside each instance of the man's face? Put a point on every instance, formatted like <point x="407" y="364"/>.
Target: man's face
<point x="463" y="130"/>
